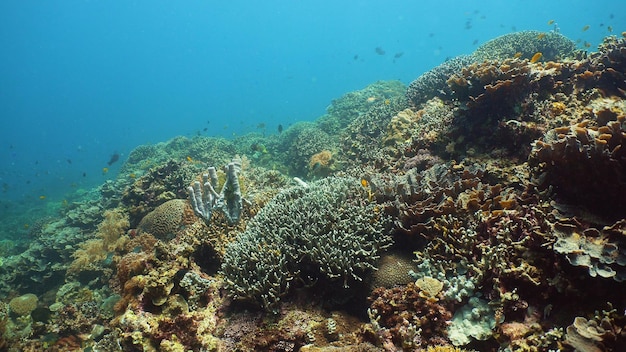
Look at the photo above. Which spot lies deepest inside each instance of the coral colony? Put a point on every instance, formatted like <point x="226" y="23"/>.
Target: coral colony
<point x="479" y="208"/>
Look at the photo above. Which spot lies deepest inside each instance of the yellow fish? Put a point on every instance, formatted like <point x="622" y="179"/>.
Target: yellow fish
<point x="189" y="159"/>
<point x="26" y="226"/>
<point x="551" y="22"/>
<point x="517" y="55"/>
<point x="387" y="101"/>
<point x="42" y="197"/>
<point x="586" y="28"/>
<point x="541" y="36"/>
<point x="535" y="58"/>
<point x="133" y="176"/>
<point x="364" y="183"/>
<point x="105" y="170"/>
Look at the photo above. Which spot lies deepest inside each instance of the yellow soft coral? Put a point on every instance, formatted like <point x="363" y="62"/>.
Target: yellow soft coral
<point x="111" y="237"/>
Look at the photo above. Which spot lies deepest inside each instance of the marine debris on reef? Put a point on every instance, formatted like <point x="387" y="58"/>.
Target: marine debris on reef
<point x="479" y="208"/>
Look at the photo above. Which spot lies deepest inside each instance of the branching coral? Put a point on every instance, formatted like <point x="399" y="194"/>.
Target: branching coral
<point x="553" y="46"/>
<point x="327" y="230"/>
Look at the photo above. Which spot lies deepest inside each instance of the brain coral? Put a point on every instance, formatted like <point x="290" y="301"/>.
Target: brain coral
<point x="166" y="219"/>
<point x="326" y="231"/>
<point x="24" y="304"/>
<point x="393" y="269"/>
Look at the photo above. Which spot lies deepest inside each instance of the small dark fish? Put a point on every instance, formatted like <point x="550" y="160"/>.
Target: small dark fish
<point x="280" y="128"/>
<point x="260" y="126"/>
<point x="513" y="28"/>
<point x="69" y="161"/>
<point x="611" y="16"/>
<point x="398" y="55"/>
<point x="379" y="51"/>
<point x="475" y="42"/>
<point x="205" y="129"/>
<point x="356" y="57"/>
<point x="208" y="122"/>
<point x="431" y="35"/>
<point x="115" y="157"/>
<point x="84" y="174"/>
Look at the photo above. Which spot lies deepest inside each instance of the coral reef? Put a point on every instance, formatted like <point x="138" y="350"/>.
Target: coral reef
<point x="393" y="269"/>
<point x="479" y="207"/>
<point x="603" y="332"/>
<point x="603" y="251"/>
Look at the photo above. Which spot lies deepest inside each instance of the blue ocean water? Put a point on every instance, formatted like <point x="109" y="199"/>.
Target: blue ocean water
<point x="82" y="80"/>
